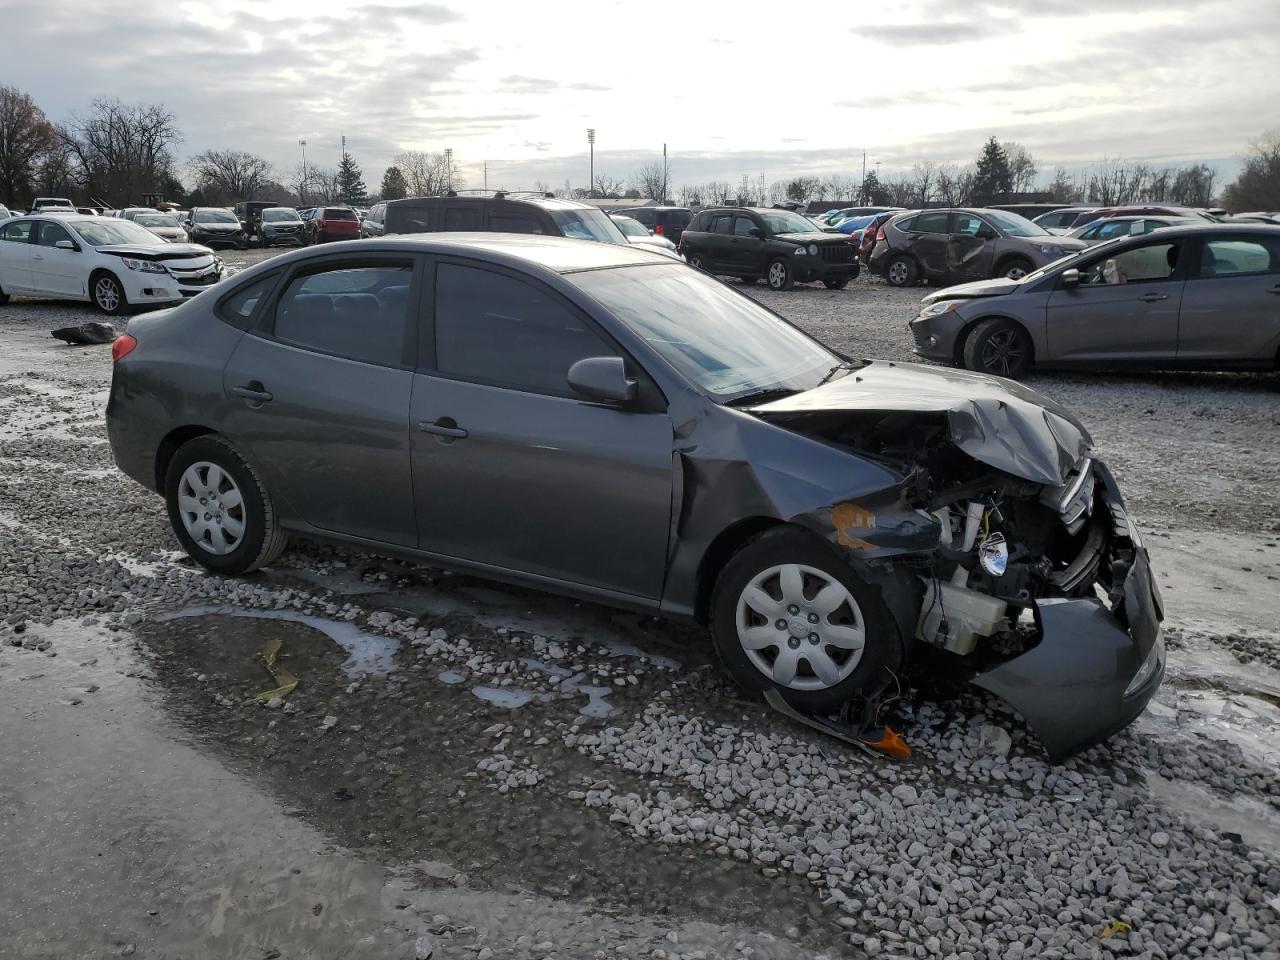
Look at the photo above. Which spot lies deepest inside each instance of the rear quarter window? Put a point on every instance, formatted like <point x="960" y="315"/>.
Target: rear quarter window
<point x="240" y="307"/>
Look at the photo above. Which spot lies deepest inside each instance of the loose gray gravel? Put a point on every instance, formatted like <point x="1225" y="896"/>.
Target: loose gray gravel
<point x="977" y="848"/>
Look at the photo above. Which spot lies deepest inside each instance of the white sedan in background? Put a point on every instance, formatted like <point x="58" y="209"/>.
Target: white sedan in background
<point x="637" y="233"/>
<point x="111" y="263"/>
<point x="163" y="225"/>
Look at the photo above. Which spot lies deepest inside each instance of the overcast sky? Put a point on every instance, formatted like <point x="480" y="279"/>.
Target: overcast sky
<point x="732" y="88"/>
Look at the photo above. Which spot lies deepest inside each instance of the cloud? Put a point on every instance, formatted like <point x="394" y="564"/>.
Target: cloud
<point x="596" y="87"/>
<point x="934" y="34"/>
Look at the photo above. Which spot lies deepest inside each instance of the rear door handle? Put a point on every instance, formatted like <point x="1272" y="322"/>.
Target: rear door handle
<point x="1153" y="297"/>
<point x="36" y="256"/>
<point x="253" y="392"/>
<point x="1275" y="290"/>
<point x="444" y="427"/>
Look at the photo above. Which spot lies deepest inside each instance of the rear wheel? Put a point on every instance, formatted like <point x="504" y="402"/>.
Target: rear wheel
<point x="220" y="510"/>
<point x="699" y="262"/>
<point x="108" y="294"/>
<point x="788" y="613"/>
<point x="999" y="346"/>
<point x="902" y="272"/>
<point x="4" y="297"/>
<point x="780" y="275"/>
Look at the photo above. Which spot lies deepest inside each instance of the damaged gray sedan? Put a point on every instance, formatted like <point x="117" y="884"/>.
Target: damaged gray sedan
<point x="602" y="422"/>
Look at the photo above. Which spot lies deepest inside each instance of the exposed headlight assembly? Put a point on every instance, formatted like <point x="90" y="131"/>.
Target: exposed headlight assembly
<point x="938" y="309"/>
<point x="143" y="266"/>
<point x="813" y="249"/>
<point x="800" y="251"/>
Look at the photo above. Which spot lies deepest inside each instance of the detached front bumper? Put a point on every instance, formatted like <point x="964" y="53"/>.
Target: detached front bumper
<point x="1097" y="664"/>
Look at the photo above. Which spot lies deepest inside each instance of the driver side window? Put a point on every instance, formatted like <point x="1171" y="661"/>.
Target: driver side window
<point x="742" y="226"/>
<point x="1146" y="264"/>
<point x="967" y="223"/>
<point x="52" y="233"/>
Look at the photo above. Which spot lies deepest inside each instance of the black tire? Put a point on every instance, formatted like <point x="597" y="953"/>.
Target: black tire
<point x="837" y="284"/>
<point x="699" y="262"/>
<point x="780" y="279"/>
<point x="4" y="297"/>
<point x="1001" y="347"/>
<point x="790" y="545"/>
<point x="902" y="271"/>
<point x="263" y="243"/>
<point x="243" y="242"/>
<point x="101" y="285"/>
<point x="262" y="542"/>
<point x="1015" y="268"/>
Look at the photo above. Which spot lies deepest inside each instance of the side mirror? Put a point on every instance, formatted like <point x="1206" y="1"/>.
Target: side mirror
<point x="1070" y="278"/>
<point x="603" y="379"/>
<point x="756" y="232"/>
<point x="64" y="245"/>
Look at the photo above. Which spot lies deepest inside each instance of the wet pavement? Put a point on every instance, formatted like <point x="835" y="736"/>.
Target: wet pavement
<point x="499" y="770"/>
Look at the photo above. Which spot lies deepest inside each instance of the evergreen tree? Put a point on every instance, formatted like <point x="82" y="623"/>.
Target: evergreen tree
<point x="873" y="191"/>
<point x="351" y="188"/>
<point x="992" y="180"/>
<point x="394" y="185"/>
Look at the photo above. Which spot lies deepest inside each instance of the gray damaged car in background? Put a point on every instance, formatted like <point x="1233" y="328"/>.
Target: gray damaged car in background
<point x="838" y="525"/>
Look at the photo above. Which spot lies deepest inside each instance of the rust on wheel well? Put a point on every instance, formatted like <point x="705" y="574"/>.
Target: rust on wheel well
<point x="728" y="542"/>
<point x="170" y="445"/>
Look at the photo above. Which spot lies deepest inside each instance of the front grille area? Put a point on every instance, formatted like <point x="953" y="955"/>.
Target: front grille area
<point x="837" y="253"/>
<point x="195" y="277"/>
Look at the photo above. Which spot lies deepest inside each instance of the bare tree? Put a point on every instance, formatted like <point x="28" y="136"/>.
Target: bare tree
<point x="837" y="187"/>
<point x="1023" y="168"/>
<point x="1064" y="188"/>
<point x="428" y="174"/>
<point x="230" y="174"/>
<point x="719" y="191"/>
<point x="26" y="136"/>
<point x="1117" y="182"/>
<point x="120" y="151"/>
<point x="1258" y="186"/>
<point x="607" y="187"/>
<point x="652" y="180"/>
<point x="924" y="176"/>
<point x="953" y="184"/>
<point x="1193" y="186"/>
<point x="690" y="195"/>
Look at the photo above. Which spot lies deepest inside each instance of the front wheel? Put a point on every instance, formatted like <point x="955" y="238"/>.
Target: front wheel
<point x="999" y="346"/>
<point x="780" y="275"/>
<point x="108" y="294"/>
<point x="787" y="613"/>
<point x="1015" y="269"/>
<point x="220" y="510"/>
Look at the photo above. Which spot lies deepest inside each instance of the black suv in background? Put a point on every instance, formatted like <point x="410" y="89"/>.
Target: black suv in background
<point x="502" y="213"/>
<point x="782" y="247"/>
<point x="215" y="227"/>
<point x="669" y="222"/>
<point x="250" y="214"/>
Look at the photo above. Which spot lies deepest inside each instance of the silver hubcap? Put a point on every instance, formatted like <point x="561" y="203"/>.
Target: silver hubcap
<point x="898" y="272"/>
<point x="1016" y="273"/>
<point x="800" y="627"/>
<point x="211" y="508"/>
<point x="107" y="295"/>
<point x="777" y="275"/>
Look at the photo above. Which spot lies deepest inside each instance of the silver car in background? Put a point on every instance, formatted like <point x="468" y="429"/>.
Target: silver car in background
<point x="638" y="234"/>
<point x="1203" y="297"/>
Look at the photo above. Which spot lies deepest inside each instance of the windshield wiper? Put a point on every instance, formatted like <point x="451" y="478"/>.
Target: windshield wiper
<point x="762" y="396"/>
<point x="842" y="365"/>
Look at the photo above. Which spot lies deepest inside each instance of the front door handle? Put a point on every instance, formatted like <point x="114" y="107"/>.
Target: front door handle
<point x="36" y="256"/>
<point x="1153" y="297"/>
<point x="1275" y="290"/>
<point x="254" y="393"/>
<point x="443" y="427"/>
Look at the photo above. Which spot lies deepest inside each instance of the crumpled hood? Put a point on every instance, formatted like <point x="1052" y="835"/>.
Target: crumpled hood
<point x="993" y="420"/>
<point x="157" y="251"/>
<point x="978" y="288"/>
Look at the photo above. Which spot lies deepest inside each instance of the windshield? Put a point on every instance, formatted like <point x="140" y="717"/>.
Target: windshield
<point x="98" y="233"/>
<point x="632" y="228"/>
<point x="784" y="221"/>
<point x="214" y="216"/>
<point x="279" y="216"/>
<point x="720" y="340"/>
<point x="1014" y="225"/>
<point x="587" y="225"/>
<point x="155" y="220"/>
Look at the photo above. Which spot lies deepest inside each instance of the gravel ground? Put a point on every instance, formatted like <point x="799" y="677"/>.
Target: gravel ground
<point x="524" y="745"/>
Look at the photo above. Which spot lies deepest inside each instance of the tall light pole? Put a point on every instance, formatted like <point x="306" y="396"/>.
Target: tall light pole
<point x="448" y="168"/>
<point x="663" y="198"/>
<point x="591" y="143"/>
<point x="303" y="144"/>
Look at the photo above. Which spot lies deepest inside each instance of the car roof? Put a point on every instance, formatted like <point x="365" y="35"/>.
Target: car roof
<point x="557" y="254"/>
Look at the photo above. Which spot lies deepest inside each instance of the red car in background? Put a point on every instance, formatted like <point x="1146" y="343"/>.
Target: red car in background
<point x="867" y="241"/>
<point x="333" y="223"/>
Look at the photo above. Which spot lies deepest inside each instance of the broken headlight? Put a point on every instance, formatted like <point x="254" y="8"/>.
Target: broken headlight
<point x="1151" y="665"/>
<point x="938" y="309"/>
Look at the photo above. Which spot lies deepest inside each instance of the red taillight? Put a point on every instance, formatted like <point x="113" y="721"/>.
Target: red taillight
<point x="122" y="346"/>
<point x="658" y="230"/>
<point x="880" y="234"/>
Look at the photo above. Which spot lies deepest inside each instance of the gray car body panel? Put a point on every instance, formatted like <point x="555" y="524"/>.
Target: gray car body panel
<point x="1125" y="329"/>
<point x="712" y="474"/>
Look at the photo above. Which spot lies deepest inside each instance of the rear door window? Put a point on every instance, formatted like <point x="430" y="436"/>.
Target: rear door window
<point x="505" y="223"/>
<point x="722" y="224"/>
<point x="1240" y="257"/>
<point x="930" y="223"/>
<point x="357" y="312"/>
<point x="496" y="329"/>
<point x="18" y="232"/>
